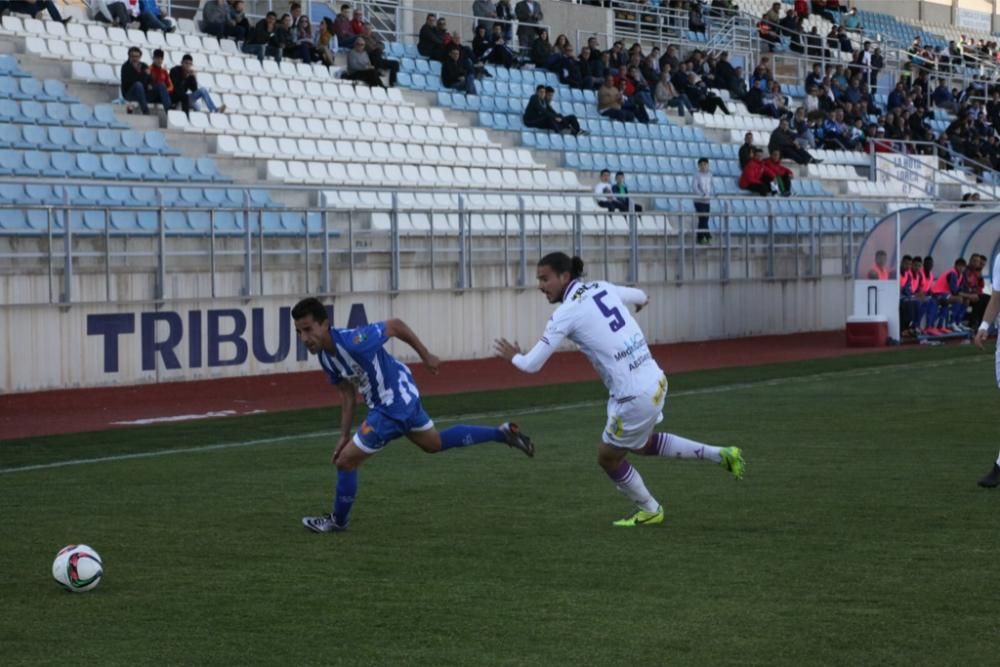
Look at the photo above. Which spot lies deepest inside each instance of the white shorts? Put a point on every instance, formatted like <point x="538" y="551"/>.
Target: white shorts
<point x="631" y="421"/>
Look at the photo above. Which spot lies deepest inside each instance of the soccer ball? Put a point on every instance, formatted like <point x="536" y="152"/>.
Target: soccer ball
<point x="77" y="568"/>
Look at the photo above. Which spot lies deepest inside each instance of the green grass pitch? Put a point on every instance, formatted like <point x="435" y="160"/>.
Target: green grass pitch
<point x="858" y="537"/>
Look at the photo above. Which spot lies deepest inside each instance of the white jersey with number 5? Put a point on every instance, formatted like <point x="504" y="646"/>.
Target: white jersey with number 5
<point x="595" y="315"/>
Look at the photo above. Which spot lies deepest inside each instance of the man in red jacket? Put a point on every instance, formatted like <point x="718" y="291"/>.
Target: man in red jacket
<point x="780" y="175"/>
<point x="754" y="178"/>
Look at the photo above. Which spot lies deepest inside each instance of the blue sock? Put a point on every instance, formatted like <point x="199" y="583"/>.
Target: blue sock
<point x="462" y="435"/>
<point x="347" y="489"/>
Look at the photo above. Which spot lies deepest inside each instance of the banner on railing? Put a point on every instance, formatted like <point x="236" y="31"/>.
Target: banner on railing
<point x="907" y="175"/>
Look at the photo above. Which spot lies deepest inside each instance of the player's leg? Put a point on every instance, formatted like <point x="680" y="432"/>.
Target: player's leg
<point x="992" y="479"/>
<point x="422" y="432"/>
<point x="374" y="433"/>
<point x="670" y="445"/>
<point x="613" y="460"/>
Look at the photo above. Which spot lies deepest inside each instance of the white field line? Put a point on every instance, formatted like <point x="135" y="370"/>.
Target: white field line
<point x="739" y="386"/>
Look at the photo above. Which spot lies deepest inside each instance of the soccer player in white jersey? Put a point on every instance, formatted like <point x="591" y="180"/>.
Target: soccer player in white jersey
<point x="356" y="360"/>
<point x="595" y="316"/>
<point x="992" y="478"/>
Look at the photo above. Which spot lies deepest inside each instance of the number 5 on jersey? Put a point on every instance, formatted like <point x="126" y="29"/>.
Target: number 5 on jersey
<point x="617" y="321"/>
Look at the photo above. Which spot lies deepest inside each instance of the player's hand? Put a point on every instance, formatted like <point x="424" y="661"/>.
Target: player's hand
<point x="504" y="348"/>
<point x="981" y="337"/>
<point x="432" y="363"/>
<point x="344" y="439"/>
<point x="642" y="305"/>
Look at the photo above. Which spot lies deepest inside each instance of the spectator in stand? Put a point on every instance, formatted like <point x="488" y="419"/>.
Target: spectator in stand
<point x="570" y="72"/>
<point x="619" y="188"/>
<point x="375" y="46"/>
<point x="819" y="8"/>
<point x="151" y="18"/>
<point x="791" y="27"/>
<point x="112" y="11"/>
<point x="358" y="22"/>
<point x="725" y="73"/>
<point x="159" y="76"/>
<point x="701" y="97"/>
<point x="137" y="84"/>
<point x="359" y="65"/>
<point x="852" y="21"/>
<point x="265" y="39"/>
<point x="605" y="195"/>
<point x="539" y="114"/>
<point x="541" y="50"/>
<point x="611" y="103"/>
<point x="802" y="9"/>
<point x="781" y="176"/>
<point x="638" y="90"/>
<point x="505" y="13"/>
<point x="326" y="42"/>
<point x="33" y="8"/>
<point x="754" y="178"/>
<point x="942" y="97"/>
<point x="218" y="21"/>
<point x="667" y="96"/>
<point x="784" y="140"/>
<point x="815" y="78"/>
<point x="186" y="89"/>
<point x="430" y="42"/>
<point x="696" y="22"/>
<point x="804" y="131"/>
<point x="746" y="150"/>
<point x="528" y="13"/>
<point x="455" y="74"/>
<point x="593" y="70"/>
<point x="342" y="28"/>
<point x="303" y="41"/>
<point x="482" y="10"/>
<point x="701" y="185"/>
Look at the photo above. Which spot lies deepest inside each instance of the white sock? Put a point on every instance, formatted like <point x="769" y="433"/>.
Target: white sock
<point x="674" y="446"/>
<point x="628" y="480"/>
<point x="998" y="459"/>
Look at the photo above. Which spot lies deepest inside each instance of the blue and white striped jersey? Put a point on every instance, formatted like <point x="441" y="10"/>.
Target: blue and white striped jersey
<point x="385" y="383"/>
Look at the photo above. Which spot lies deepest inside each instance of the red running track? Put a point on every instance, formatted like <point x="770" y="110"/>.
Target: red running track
<point x="78" y="410"/>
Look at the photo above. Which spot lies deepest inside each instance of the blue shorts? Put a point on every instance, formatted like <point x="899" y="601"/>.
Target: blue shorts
<point x="380" y="427"/>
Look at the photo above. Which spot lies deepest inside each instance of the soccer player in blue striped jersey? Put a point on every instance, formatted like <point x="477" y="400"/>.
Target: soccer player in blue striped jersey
<point x="356" y="361"/>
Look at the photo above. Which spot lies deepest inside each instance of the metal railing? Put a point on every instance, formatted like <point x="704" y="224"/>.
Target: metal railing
<point x="396" y="247"/>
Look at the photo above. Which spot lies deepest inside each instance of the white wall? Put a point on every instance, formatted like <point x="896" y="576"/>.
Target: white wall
<point x="48" y="347"/>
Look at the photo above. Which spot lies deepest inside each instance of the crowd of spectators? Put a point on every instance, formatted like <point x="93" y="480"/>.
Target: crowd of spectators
<point x="293" y="35"/>
<point x="142" y="84"/>
<point x="146" y="14"/>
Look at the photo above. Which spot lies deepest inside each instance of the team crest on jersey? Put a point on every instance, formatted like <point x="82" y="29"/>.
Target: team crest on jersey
<point x="359" y="337"/>
<point x="366" y="428"/>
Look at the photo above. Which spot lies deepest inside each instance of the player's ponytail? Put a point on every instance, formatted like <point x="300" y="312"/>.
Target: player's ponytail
<point x="560" y="262"/>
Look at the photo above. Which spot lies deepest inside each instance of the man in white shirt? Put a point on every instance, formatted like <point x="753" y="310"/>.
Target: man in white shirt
<point x="605" y="195"/>
<point x="992" y="478"/>
<point x="595" y="316"/>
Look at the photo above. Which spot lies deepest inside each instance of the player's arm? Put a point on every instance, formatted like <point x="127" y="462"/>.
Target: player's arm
<point x="396" y="328"/>
<point x="989" y="317"/>
<point x="535" y="358"/>
<point x="348" y="406"/>
<point x="632" y="296"/>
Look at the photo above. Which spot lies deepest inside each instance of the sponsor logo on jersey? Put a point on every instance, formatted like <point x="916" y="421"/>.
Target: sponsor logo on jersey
<point x="634" y="344"/>
<point x="366" y="428"/>
<point x="581" y="290"/>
